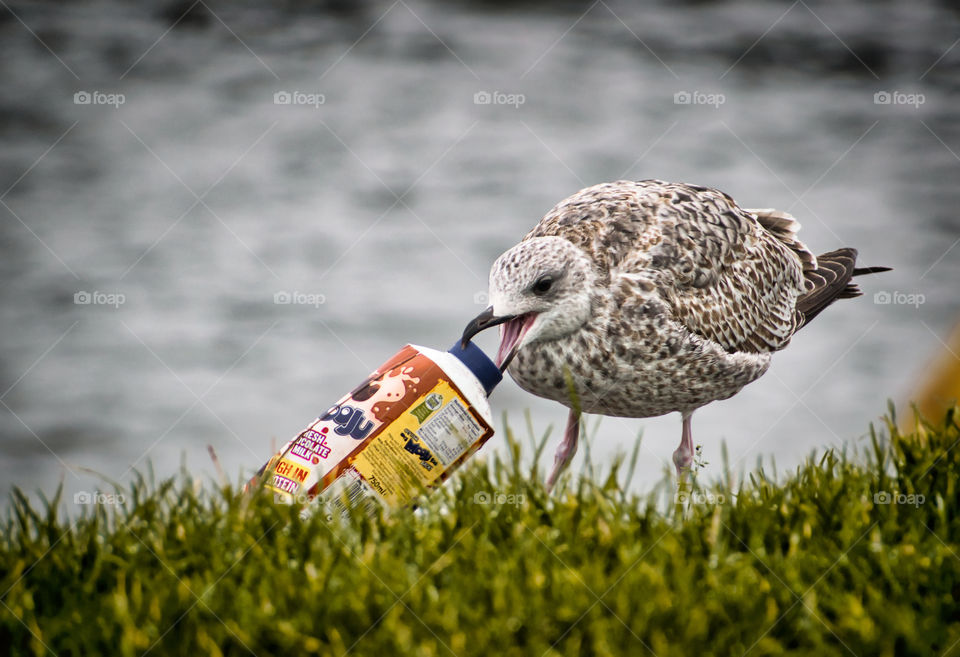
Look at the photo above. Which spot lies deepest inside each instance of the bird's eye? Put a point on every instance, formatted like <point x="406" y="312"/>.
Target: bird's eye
<point x="543" y="284"/>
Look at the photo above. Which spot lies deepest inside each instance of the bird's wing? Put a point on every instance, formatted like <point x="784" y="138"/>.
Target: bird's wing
<point x="729" y="275"/>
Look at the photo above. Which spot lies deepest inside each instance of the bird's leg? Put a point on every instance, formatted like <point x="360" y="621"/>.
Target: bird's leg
<point x="566" y="449"/>
<point x="683" y="456"/>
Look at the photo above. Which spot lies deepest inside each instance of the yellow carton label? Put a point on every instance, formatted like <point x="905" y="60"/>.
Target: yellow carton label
<point x="416" y="449"/>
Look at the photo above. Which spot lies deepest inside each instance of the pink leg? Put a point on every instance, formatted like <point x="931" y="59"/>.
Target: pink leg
<point x="566" y="449"/>
<point x="683" y="456"/>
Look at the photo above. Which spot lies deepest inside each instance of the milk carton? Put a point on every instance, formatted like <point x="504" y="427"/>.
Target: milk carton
<point x="406" y="428"/>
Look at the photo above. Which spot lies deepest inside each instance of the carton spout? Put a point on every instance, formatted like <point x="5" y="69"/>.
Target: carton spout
<point x="479" y="363"/>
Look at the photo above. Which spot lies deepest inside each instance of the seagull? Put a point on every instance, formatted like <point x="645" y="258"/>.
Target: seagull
<point x="638" y="299"/>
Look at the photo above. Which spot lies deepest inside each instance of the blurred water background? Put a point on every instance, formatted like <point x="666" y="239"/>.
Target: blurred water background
<point x="151" y="168"/>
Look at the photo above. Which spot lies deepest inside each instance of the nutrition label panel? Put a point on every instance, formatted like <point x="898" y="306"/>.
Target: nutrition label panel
<point x="450" y="432"/>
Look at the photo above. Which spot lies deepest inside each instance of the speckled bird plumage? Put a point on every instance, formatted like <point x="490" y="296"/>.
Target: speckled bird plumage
<point x="662" y="297"/>
<point x="689" y="298"/>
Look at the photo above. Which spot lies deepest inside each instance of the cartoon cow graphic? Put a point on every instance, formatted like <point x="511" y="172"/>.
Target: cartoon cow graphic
<point x="383" y="390"/>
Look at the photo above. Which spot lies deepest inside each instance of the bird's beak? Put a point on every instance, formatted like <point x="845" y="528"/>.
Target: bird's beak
<point x="515" y="327"/>
<point x="484" y="320"/>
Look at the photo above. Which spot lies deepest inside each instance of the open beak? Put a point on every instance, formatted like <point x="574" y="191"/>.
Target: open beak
<point x="482" y="321"/>
<point x="511" y="333"/>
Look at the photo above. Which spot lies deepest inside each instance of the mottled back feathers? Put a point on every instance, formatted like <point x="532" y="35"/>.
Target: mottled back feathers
<point x="737" y="277"/>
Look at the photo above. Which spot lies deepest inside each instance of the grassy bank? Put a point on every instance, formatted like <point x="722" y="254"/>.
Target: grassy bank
<point x="847" y="555"/>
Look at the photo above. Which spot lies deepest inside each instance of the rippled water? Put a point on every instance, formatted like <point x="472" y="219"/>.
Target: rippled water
<point x="198" y="199"/>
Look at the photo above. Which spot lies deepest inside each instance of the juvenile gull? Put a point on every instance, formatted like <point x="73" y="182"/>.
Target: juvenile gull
<point x="637" y="299"/>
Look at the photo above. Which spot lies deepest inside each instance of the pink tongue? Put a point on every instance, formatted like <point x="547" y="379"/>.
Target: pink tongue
<point x="510" y="334"/>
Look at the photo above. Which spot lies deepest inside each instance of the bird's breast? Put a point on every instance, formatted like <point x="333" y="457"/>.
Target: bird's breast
<point x="643" y="369"/>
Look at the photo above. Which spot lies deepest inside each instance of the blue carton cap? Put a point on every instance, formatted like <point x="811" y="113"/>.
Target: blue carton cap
<point x="479" y="363"/>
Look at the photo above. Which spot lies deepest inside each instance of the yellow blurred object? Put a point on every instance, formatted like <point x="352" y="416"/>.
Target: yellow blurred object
<point x="939" y="387"/>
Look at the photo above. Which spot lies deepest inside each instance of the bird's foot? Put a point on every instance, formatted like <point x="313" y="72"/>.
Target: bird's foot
<point x="566" y="449"/>
<point x="562" y="458"/>
<point x="683" y="462"/>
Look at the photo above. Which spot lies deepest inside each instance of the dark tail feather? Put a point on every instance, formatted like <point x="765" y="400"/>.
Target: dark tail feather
<point x="831" y="281"/>
<point x="860" y="271"/>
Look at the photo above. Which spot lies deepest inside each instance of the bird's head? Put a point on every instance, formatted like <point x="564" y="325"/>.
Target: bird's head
<point x="539" y="291"/>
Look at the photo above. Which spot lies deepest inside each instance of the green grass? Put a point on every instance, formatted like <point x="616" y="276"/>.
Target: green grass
<point x="811" y="564"/>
